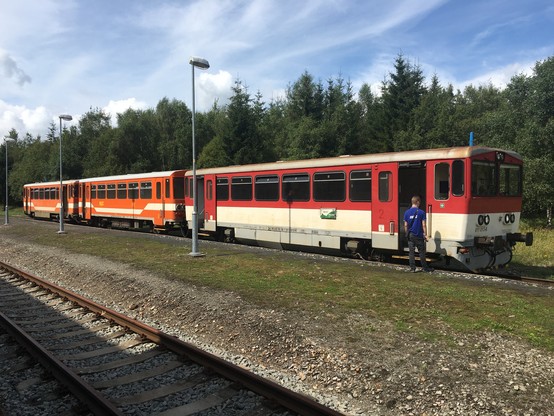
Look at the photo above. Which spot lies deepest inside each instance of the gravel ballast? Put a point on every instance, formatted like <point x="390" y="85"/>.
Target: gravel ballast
<point x="383" y="372"/>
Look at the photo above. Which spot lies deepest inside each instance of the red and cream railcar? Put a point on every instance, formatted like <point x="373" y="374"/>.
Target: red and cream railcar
<point x="42" y="199"/>
<point x="472" y="196"/>
<point x="152" y="201"/>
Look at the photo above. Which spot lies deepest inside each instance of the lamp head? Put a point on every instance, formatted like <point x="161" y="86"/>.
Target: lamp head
<point x="66" y="117"/>
<point x="199" y="62"/>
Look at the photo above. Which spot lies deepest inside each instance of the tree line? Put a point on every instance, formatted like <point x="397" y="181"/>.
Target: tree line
<point x="314" y="119"/>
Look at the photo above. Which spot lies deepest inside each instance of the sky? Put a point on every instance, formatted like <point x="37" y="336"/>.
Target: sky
<point x="71" y="56"/>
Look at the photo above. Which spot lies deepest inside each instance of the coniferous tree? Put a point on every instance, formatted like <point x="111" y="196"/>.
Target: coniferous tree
<point x="401" y="96"/>
<point x="243" y="142"/>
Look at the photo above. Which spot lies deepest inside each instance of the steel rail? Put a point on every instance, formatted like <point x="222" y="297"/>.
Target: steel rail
<point x="96" y="402"/>
<point x="299" y="403"/>
<point x="519" y="278"/>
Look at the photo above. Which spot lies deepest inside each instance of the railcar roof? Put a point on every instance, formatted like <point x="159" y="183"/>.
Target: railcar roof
<point x="412" y="155"/>
<point x="133" y="176"/>
<point x="52" y="183"/>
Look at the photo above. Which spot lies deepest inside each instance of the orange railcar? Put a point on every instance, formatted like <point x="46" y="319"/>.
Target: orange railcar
<point x="153" y="201"/>
<point x="42" y="199"/>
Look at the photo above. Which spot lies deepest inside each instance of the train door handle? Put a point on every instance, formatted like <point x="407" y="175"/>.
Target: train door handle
<point x="391" y="228"/>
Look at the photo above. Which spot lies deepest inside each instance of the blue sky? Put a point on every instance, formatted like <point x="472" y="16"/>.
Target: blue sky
<point x="68" y="56"/>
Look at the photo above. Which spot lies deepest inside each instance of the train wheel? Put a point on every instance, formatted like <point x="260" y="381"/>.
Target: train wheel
<point x="185" y="232"/>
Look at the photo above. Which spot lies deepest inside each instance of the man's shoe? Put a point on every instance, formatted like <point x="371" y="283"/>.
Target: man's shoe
<point x="429" y="270"/>
<point x="413" y="270"/>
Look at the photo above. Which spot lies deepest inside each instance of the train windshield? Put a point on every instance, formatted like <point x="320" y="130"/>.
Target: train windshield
<point x="491" y="179"/>
<point x="510" y="180"/>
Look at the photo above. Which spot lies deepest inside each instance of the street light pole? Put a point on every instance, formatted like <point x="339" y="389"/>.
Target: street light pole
<point x="6" y="218"/>
<point x="65" y="117"/>
<point x="201" y="63"/>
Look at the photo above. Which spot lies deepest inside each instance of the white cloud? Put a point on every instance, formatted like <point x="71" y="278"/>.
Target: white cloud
<point x="23" y="120"/>
<point x="499" y="77"/>
<point x="120" y="106"/>
<point x="212" y="87"/>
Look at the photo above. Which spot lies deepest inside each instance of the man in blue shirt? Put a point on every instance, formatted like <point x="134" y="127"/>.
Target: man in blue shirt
<point x="415" y="227"/>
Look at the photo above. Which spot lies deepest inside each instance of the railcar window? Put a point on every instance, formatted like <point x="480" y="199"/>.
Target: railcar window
<point x="57" y="193"/>
<point x="266" y="188"/>
<point x="101" y="191"/>
<point x="385" y="185"/>
<point x="458" y="178"/>
<point x="167" y="189"/>
<point x="222" y="189"/>
<point x="360" y="186"/>
<point x="111" y="191"/>
<point x="121" y="191"/>
<point x="209" y="190"/>
<point x="483" y="178"/>
<point x="188" y="187"/>
<point x="296" y="187"/>
<point x="158" y="190"/>
<point x="329" y="186"/>
<point x="93" y="192"/>
<point x="442" y="181"/>
<point x="241" y="188"/>
<point x="41" y="193"/>
<point x="179" y="187"/>
<point x="146" y="190"/>
<point x="510" y="180"/>
<point x="47" y="194"/>
<point x="133" y="190"/>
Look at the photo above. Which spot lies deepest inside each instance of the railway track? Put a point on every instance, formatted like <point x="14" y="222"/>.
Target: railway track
<point x="115" y="365"/>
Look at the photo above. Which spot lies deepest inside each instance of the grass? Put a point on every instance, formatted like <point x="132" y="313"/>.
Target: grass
<point x="432" y="306"/>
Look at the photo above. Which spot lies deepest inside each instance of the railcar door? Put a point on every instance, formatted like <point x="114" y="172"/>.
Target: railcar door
<point x="65" y="198"/>
<point x="411" y="181"/>
<point x="83" y="203"/>
<point x="26" y="203"/>
<point x="210" y="219"/>
<point x="385" y="221"/>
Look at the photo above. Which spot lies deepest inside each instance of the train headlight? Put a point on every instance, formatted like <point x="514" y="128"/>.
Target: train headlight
<point x="483" y="219"/>
<point x="509" y="218"/>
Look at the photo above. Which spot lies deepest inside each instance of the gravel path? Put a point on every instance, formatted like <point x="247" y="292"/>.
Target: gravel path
<point x="385" y="373"/>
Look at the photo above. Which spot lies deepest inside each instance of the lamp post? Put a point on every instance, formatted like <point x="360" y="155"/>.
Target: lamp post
<point x="6" y="219"/>
<point x="201" y="63"/>
<point x="65" y="117"/>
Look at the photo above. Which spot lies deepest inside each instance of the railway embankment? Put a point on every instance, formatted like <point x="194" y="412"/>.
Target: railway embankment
<point x="371" y="339"/>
